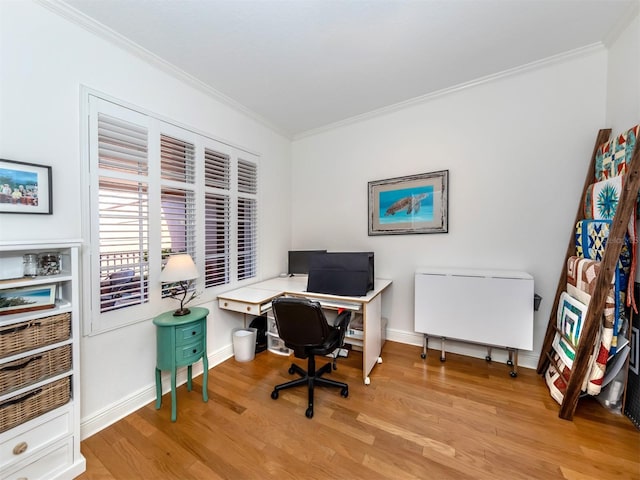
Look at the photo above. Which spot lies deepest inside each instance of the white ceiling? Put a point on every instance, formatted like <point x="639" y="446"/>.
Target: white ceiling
<point x="299" y="65"/>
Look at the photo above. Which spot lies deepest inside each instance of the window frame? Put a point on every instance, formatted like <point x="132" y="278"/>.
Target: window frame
<point x="95" y="321"/>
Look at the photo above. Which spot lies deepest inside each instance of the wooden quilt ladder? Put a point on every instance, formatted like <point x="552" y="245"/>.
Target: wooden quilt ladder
<point x="593" y="317"/>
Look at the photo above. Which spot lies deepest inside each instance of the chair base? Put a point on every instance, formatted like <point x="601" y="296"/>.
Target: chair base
<point x="310" y="378"/>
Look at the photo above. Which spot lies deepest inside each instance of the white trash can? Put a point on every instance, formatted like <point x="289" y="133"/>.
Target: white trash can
<point x="244" y="344"/>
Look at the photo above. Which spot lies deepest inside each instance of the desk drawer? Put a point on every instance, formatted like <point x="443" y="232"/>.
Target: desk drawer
<point x="242" y="307"/>
<point x="189" y="354"/>
<point x="189" y="333"/>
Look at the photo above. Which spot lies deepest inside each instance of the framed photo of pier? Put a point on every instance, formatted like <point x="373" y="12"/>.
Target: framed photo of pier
<point x="25" y="188"/>
<point x="409" y="205"/>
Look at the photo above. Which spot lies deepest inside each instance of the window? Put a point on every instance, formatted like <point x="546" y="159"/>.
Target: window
<point x="247" y="219"/>
<point x="161" y="189"/>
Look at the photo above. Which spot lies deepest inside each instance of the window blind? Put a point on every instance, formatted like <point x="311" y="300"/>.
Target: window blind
<point x="123" y="205"/>
<point x="247" y="219"/>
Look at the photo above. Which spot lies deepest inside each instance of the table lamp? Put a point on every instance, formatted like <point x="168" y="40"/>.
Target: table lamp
<point x="180" y="269"/>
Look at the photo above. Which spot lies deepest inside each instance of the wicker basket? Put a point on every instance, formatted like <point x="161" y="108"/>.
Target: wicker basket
<point x="20" y="337"/>
<point x="34" y="403"/>
<point x="32" y="369"/>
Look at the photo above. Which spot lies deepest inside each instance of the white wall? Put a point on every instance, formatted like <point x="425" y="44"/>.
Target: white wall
<point x="517" y="149"/>
<point x="623" y="82"/>
<point x="44" y="60"/>
<point x="623" y="79"/>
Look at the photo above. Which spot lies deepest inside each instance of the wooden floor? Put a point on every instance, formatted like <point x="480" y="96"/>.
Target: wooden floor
<point x="419" y="419"/>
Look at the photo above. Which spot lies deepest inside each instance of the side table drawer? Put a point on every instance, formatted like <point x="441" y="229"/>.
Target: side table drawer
<point x="189" y="333"/>
<point x="189" y="354"/>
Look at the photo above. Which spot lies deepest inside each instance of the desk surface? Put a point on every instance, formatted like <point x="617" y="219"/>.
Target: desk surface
<point x="256" y="298"/>
<point x="267" y="290"/>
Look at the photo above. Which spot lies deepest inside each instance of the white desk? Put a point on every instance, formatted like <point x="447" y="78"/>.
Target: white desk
<point x="256" y="299"/>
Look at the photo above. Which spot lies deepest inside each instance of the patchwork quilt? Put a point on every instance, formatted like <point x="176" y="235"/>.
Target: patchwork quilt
<point x="591" y="240"/>
<point x="569" y="319"/>
<point x="612" y="157"/>
<point x="581" y="279"/>
<point x="601" y="202"/>
<point x="612" y="160"/>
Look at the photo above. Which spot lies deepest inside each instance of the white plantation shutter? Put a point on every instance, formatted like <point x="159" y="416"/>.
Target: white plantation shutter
<point x="217" y="179"/>
<point x="156" y="189"/>
<point x="122" y="146"/>
<point x="123" y="204"/>
<point x="178" y="160"/>
<point x="247" y="219"/>
<point x="178" y="221"/>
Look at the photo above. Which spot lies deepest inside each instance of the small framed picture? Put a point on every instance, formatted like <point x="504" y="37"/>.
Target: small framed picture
<point x="25" y="188"/>
<point x="27" y="299"/>
<point x="411" y="204"/>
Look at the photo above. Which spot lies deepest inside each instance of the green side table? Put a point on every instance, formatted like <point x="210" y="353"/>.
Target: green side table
<point x="181" y="341"/>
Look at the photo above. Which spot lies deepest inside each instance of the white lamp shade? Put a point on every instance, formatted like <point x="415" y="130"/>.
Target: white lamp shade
<point x="179" y="268"/>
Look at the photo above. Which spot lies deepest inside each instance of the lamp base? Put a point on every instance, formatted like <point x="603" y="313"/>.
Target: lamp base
<point x="181" y="312"/>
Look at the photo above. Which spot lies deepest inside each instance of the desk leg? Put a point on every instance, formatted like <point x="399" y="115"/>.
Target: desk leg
<point x="372" y="336"/>
<point x="173" y="395"/>
<point x="158" y="388"/>
<point x="189" y="378"/>
<point x="205" y="376"/>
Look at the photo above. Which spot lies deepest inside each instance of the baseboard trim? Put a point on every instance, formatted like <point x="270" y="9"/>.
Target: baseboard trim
<point x="118" y="410"/>
<point x="526" y="359"/>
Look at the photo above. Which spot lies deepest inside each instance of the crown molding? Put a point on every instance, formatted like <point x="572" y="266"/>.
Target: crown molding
<point x="621" y="25"/>
<point x="73" y="15"/>
<point x="559" y="58"/>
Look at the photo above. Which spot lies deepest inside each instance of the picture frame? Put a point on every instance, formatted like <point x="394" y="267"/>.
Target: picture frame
<point x="412" y="204"/>
<point x="25" y="188"/>
<point x="27" y="299"/>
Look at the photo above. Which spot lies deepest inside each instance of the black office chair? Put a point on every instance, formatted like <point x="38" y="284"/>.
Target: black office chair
<point x="304" y="329"/>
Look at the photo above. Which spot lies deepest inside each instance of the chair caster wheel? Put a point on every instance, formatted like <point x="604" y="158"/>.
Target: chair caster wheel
<point x="309" y="412"/>
<point x="423" y="356"/>
<point x="510" y="363"/>
<point x="291" y="370"/>
<point x="513" y="374"/>
<point x="487" y="358"/>
<point x="442" y="359"/>
<point x="274" y="394"/>
<point x="344" y="392"/>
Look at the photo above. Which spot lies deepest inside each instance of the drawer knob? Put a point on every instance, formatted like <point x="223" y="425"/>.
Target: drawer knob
<point x="226" y="304"/>
<point x="248" y="309"/>
<point x="20" y="448"/>
<point x="195" y="350"/>
<point x="193" y="333"/>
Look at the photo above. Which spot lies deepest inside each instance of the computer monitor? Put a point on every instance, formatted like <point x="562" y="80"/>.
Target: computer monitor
<point x="342" y="273"/>
<point x="299" y="261"/>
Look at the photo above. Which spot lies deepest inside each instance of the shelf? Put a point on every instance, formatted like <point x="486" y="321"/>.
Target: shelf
<point x="29" y="281"/>
<point x="61" y="306"/>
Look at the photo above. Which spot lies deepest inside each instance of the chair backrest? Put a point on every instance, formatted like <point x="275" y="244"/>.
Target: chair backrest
<point x="300" y="321"/>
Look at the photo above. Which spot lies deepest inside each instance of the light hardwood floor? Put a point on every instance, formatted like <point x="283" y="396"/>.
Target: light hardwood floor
<point x="419" y="419"/>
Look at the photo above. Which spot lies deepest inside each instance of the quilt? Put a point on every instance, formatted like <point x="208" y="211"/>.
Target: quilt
<point x="601" y="202"/>
<point x="581" y="280"/>
<point x="613" y="157"/>
<point x="591" y="240"/>
<point x="569" y="318"/>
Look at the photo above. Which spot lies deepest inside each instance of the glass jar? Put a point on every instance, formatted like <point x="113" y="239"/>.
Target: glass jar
<point x="30" y="262"/>
<point x="49" y="263"/>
